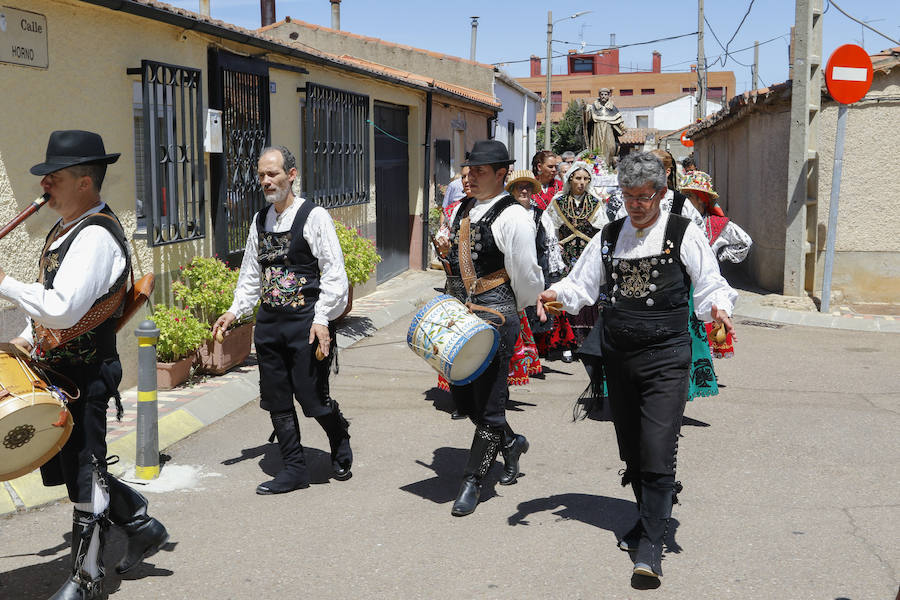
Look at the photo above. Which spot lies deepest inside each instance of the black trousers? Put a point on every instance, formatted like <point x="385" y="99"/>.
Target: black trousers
<point x="647" y="393"/>
<point x="484" y="399"/>
<point x="74" y="464"/>
<point x="288" y="368"/>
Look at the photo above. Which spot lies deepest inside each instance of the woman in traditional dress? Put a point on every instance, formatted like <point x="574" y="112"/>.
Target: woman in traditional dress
<point x="729" y="242"/>
<point x="544" y="166"/>
<point x="577" y="213"/>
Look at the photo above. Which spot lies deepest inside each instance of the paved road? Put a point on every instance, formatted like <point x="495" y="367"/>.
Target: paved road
<point x="790" y="474"/>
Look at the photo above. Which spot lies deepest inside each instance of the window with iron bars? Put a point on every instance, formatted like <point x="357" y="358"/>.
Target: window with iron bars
<point x="168" y="137"/>
<point x="336" y="147"/>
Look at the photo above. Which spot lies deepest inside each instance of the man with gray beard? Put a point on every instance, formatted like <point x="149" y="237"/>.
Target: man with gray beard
<point x="293" y="263"/>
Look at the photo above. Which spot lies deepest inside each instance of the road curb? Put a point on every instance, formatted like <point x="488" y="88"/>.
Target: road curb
<point x="393" y="300"/>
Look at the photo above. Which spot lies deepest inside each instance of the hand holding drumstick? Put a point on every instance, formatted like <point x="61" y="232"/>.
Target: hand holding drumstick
<point x="547" y="304"/>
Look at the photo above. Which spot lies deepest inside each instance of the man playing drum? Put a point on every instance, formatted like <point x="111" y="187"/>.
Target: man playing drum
<point x="85" y="261"/>
<point x="293" y="262"/>
<point x="494" y="265"/>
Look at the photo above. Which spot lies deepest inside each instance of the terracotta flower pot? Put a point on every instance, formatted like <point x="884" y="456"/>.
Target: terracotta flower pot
<point x="169" y="375"/>
<point x="216" y="358"/>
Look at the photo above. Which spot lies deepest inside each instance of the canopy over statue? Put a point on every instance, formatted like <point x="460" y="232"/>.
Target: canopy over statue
<point x="603" y="126"/>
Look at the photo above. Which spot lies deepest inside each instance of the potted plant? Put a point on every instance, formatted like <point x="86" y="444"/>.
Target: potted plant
<point x="360" y="258"/>
<point x="206" y="288"/>
<point x="180" y="335"/>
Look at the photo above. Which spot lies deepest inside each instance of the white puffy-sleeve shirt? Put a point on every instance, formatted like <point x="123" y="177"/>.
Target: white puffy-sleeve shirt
<point x="319" y="233"/>
<point x="514" y="232"/>
<point x="583" y="284"/>
<point x="733" y="244"/>
<point x="89" y="269"/>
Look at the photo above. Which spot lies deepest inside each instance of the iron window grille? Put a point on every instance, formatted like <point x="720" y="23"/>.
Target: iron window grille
<point x="171" y="196"/>
<point x="336" y="147"/>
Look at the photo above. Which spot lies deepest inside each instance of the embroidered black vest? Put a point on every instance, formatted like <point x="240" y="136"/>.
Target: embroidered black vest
<point x="289" y="273"/>
<point x="648" y="297"/>
<point x="486" y="256"/>
<point x="99" y="343"/>
<point x="580" y="218"/>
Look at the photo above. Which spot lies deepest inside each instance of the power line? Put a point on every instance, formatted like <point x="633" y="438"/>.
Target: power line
<point x="691" y="60"/>
<point x="722" y="46"/>
<point x="673" y="37"/>
<point x="863" y="23"/>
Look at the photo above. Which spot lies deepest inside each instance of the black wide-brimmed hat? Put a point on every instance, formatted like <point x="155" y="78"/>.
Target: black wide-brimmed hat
<point x="73" y="147"/>
<point x="488" y="152"/>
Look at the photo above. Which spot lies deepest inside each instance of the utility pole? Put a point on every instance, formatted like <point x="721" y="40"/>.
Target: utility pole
<point x="801" y="220"/>
<point x="549" y="74"/>
<point x="474" y="36"/>
<point x="701" y="64"/>
<point x="756" y="65"/>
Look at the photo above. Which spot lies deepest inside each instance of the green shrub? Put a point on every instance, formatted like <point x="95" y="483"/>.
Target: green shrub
<point x="206" y="288"/>
<point x="360" y="256"/>
<point x="180" y="332"/>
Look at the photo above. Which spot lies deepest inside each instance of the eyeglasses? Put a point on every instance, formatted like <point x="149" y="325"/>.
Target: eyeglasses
<point x="639" y="199"/>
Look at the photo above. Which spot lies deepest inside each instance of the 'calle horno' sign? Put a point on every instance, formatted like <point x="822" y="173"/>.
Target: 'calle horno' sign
<point x="23" y="38"/>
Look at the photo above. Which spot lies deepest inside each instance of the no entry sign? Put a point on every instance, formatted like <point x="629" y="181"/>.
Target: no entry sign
<point x="848" y="74"/>
<point x="685" y="140"/>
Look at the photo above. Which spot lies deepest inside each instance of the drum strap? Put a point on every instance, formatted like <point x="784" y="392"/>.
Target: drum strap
<point x="473" y="284"/>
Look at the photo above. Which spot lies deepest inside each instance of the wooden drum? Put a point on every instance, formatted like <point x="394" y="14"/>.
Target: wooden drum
<point x="34" y="420"/>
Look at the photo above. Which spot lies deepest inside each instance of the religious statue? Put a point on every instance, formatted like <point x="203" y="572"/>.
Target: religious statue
<point x="603" y="126"/>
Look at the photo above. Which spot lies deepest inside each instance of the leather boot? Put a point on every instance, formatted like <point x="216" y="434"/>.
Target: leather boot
<point x="485" y="447"/>
<point x="338" y="431"/>
<point x="293" y="475"/>
<point x="656" y="509"/>
<point x="128" y="510"/>
<point x="514" y="446"/>
<point x="81" y="585"/>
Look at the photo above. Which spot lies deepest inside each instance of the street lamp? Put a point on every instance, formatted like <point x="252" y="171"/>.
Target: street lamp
<point x="550" y="23"/>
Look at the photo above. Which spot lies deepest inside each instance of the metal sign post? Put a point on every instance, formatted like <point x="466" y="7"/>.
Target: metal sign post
<point x="848" y="77"/>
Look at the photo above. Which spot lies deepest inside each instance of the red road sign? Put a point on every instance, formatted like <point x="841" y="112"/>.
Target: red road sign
<point x="848" y="74"/>
<point x="685" y="140"/>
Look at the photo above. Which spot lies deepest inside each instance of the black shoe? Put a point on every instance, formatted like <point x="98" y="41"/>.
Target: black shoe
<point x="511" y="455"/>
<point x="280" y="485"/>
<point x="128" y="510"/>
<point x="340" y="472"/>
<point x="143" y="541"/>
<point x="75" y="590"/>
<point x="337" y="429"/>
<point x="467" y="499"/>
<point x="630" y="541"/>
<point x="567" y="356"/>
<point x="456" y="415"/>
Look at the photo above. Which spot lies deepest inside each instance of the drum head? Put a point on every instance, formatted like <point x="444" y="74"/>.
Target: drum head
<point x="28" y="436"/>
<point x="475" y="356"/>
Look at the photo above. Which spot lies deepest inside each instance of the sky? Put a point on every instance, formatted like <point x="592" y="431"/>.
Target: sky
<point x="510" y="31"/>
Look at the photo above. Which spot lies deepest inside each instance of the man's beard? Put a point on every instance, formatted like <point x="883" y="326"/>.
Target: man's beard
<point x="276" y="195"/>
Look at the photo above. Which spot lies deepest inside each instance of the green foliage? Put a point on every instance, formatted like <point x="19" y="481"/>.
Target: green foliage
<point x="360" y="256"/>
<point x="206" y="288"/>
<point x="434" y="219"/>
<point x="568" y="134"/>
<point x="180" y="332"/>
<point x="569" y="131"/>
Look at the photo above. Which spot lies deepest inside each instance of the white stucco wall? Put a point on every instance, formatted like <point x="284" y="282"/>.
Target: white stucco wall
<point x="521" y="110"/>
<point x="867" y="243"/>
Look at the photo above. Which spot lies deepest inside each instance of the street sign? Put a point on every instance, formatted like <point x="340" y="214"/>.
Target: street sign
<point x="848" y="74"/>
<point x="685" y="140"/>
